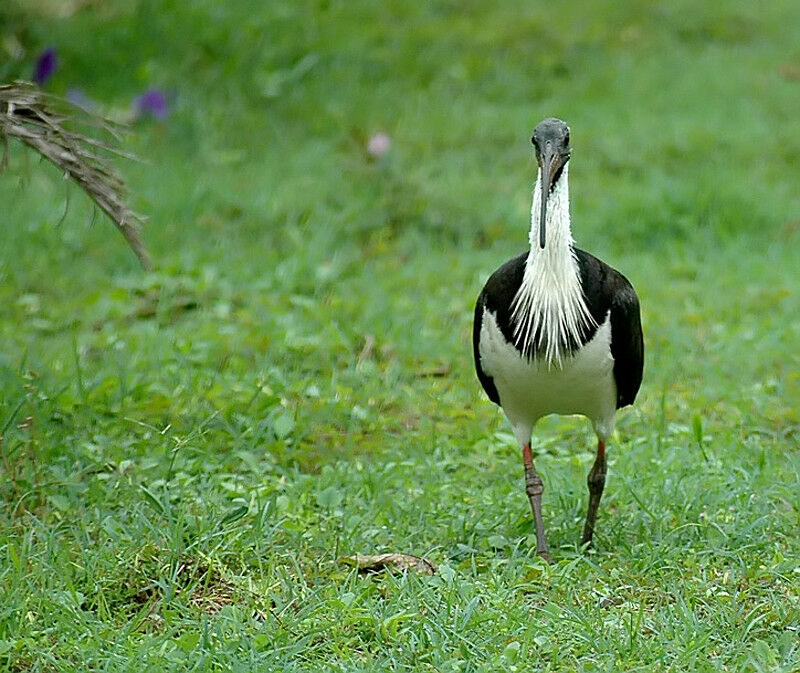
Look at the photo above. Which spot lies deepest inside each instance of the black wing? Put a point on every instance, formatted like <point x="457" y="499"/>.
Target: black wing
<point x="607" y="290"/>
<point x="627" y="343"/>
<point x="497" y="295"/>
<point x="486" y="381"/>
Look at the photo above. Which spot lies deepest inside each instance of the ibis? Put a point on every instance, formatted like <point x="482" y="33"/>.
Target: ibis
<point x="557" y="331"/>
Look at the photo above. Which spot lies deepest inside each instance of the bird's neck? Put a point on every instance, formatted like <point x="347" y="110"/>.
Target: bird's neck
<point x="549" y="309"/>
<point x="558" y="244"/>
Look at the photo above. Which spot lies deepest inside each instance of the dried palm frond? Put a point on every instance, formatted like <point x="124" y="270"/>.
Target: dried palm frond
<point x="41" y="121"/>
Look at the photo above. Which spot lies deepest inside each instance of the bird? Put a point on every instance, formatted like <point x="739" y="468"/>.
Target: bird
<point x="558" y="331"/>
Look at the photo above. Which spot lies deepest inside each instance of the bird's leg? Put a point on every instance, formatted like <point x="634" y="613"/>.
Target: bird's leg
<point x="534" y="488"/>
<point x="596" y="482"/>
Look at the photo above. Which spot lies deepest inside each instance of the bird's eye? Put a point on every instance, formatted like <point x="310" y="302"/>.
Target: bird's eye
<point x="533" y="140"/>
<point x="566" y="137"/>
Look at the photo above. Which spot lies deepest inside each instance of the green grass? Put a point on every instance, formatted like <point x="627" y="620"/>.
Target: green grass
<point x="186" y="455"/>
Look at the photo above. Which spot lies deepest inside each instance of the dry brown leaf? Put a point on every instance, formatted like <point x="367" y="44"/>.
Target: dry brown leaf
<point x="374" y="563"/>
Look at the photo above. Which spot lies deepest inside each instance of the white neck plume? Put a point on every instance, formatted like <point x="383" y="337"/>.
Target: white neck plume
<point x="549" y="310"/>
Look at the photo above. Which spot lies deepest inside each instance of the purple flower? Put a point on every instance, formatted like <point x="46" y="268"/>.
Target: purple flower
<point x="46" y="65"/>
<point x="152" y="103"/>
<point x="379" y="144"/>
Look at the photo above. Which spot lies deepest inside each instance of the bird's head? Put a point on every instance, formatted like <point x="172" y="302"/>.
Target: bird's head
<point x="551" y="143"/>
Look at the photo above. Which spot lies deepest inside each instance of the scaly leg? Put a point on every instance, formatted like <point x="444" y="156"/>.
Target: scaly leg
<point x="596" y="482"/>
<point x="534" y="488"/>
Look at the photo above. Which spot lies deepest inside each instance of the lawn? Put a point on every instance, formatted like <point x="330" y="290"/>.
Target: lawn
<point x="187" y="455"/>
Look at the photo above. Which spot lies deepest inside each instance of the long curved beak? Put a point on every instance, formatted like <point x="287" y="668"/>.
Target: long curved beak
<point x="551" y="162"/>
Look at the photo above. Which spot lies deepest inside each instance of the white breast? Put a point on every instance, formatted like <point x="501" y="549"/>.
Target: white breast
<point x="529" y="389"/>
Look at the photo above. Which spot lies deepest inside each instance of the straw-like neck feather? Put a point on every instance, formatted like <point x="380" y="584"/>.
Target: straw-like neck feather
<point x="549" y="310"/>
